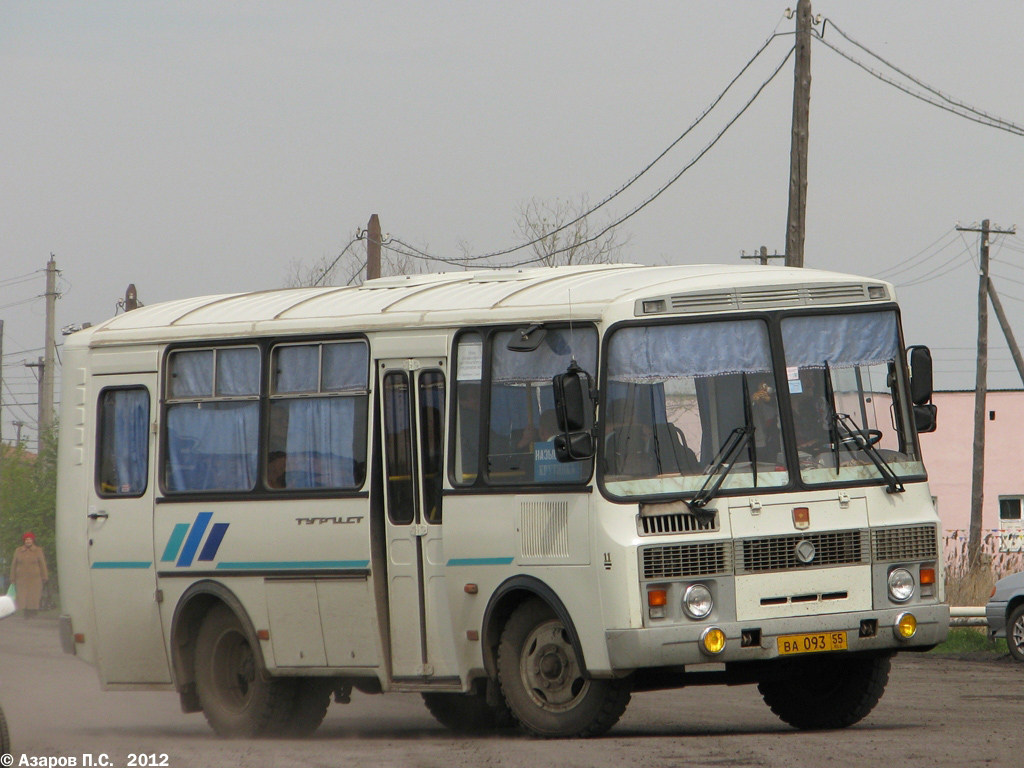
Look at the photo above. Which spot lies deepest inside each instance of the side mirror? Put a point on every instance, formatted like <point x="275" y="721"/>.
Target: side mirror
<point x="925" y="417"/>
<point x="920" y="375"/>
<point x="574" y="446"/>
<point x="573" y="396"/>
<point x="572" y="391"/>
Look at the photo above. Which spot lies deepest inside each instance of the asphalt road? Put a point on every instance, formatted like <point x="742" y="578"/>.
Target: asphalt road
<point x="937" y="711"/>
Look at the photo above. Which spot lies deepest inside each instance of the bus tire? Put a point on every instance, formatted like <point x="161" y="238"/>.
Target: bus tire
<point x="237" y="701"/>
<point x="467" y="712"/>
<point x="312" y="698"/>
<point x="544" y="684"/>
<point x="5" y="737"/>
<point x="826" y="692"/>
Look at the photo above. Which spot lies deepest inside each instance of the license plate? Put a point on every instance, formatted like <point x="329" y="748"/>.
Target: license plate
<point x="813" y="642"/>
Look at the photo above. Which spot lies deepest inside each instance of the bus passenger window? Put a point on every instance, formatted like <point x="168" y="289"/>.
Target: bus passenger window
<point x="212" y="419"/>
<point x="318" y="406"/>
<point x="122" y="451"/>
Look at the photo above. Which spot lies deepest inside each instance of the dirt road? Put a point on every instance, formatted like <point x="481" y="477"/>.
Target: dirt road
<point x="936" y="712"/>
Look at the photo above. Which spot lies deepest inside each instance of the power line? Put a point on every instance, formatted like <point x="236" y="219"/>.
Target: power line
<point x="893" y="270"/>
<point x="942" y="95"/>
<point x="416" y="252"/>
<point x="951" y="105"/>
<point x="935" y="273"/>
<point x="338" y="258"/>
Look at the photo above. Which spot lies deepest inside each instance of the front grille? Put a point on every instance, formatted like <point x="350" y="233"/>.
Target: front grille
<point x="909" y="543"/>
<point x="676" y="522"/>
<point x="778" y="553"/>
<point x="686" y="560"/>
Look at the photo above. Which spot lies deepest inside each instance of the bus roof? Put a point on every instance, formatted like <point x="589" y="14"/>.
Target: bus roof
<point x="604" y="291"/>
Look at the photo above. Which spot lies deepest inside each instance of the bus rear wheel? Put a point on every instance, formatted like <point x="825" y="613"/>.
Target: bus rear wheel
<point x="828" y="691"/>
<point x="544" y="684"/>
<point x="236" y="699"/>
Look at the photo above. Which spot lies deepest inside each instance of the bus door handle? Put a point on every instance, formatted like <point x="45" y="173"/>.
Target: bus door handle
<point x="98" y="515"/>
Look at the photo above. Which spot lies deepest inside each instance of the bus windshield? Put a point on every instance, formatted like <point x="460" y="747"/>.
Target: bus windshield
<point x="678" y="393"/>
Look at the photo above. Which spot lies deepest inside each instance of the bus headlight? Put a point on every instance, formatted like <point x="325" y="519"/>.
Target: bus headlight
<point x="697" y="601"/>
<point x="901" y="585"/>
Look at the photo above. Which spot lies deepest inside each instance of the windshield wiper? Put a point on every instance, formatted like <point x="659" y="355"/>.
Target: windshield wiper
<point x="840" y="423"/>
<point x="720" y="469"/>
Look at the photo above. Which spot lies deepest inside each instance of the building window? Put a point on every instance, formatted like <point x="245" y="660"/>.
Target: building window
<point x="1009" y="508"/>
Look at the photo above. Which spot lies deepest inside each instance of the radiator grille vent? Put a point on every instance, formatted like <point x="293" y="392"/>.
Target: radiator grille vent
<point x="686" y="560"/>
<point x="779" y="553"/>
<point x="913" y="542"/>
<point x="677" y="522"/>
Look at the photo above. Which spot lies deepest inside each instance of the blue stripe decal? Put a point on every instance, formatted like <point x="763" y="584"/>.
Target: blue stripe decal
<point x="480" y="561"/>
<point x="194" y="537"/>
<point x="293" y="564"/>
<point x="213" y="541"/>
<point x="121" y="564"/>
<point x="174" y="543"/>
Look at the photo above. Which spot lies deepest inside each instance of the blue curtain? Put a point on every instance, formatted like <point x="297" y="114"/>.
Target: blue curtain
<point x="131" y="438"/>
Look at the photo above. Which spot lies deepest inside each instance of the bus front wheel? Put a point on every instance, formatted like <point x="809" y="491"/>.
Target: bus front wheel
<point x="237" y="701"/>
<point x="544" y="684"/>
<point x="826" y="691"/>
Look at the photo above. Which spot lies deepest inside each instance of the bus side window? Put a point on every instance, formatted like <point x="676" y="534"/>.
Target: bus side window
<point x="122" y="449"/>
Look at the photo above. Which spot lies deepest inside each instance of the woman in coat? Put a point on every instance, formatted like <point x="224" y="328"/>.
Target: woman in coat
<point x="28" y="574"/>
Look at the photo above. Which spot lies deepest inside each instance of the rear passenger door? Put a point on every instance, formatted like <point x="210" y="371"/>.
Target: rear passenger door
<point x="119" y="521"/>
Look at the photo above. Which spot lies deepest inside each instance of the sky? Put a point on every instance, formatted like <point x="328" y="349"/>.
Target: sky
<point x="200" y="147"/>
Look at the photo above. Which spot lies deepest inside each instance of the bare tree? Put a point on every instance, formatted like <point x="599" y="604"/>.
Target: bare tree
<point x="560" y="236"/>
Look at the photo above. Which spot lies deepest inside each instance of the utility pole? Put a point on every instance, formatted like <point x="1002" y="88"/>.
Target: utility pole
<point x="980" y="393"/>
<point x="1011" y="341"/>
<point x="796" y="221"/>
<point x="373" y="248"/>
<point x="46" y="377"/>
<point x="762" y="255"/>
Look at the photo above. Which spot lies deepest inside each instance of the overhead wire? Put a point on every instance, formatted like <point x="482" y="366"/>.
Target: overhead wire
<point x="337" y="259"/>
<point x="951" y="105"/>
<point x="941" y="94"/>
<point x="893" y="270"/>
<point x="458" y="261"/>
<point x="936" y="273"/>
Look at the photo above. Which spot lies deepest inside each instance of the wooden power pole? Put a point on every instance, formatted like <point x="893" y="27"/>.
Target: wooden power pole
<point x="980" y="393"/>
<point x="373" y="248"/>
<point x="46" y="377"/>
<point x="798" y="150"/>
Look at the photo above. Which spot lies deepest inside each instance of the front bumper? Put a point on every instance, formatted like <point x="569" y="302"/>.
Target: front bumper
<point x="995" y="617"/>
<point x="680" y="644"/>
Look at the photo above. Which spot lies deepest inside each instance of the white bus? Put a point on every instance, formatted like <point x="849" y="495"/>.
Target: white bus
<point x="525" y="494"/>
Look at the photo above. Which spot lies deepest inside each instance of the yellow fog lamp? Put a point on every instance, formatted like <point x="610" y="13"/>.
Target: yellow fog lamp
<point x="712" y="641"/>
<point x="905" y="626"/>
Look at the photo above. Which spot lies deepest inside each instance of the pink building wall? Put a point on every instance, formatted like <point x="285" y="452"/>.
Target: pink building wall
<point x="948" y="452"/>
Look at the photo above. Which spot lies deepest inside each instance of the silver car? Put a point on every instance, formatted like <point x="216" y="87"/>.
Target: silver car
<point x="1005" y="613"/>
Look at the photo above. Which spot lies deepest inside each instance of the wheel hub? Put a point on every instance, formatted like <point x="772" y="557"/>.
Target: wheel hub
<point x="549" y="668"/>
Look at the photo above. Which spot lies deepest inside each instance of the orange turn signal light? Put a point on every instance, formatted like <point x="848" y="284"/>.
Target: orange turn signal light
<point x="657" y="597"/>
<point x="927" y="576"/>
